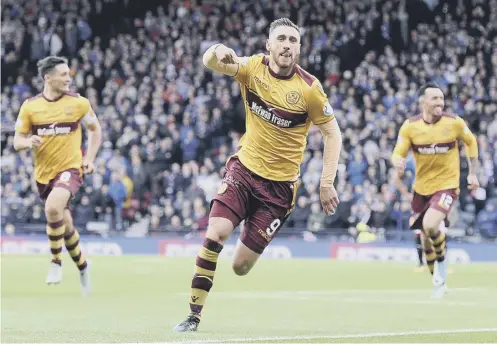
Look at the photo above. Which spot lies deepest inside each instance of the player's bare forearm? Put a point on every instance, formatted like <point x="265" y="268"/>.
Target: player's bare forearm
<point x="473" y="165"/>
<point x="399" y="161"/>
<point x="401" y="149"/>
<point x="472" y="153"/>
<point x="21" y="143"/>
<point x="24" y="141"/>
<point x="401" y="187"/>
<point x="332" y="137"/>
<point x="94" y="141"/>
<point x="221" y="59"/>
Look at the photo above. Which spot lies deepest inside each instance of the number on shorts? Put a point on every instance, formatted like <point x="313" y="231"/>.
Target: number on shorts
<point x="64" y="177"/>
<point x="446" y="201"/>
<point x="273" y="227"/>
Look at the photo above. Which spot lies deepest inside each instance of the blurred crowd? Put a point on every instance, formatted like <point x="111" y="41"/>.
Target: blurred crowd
<point x="169" y="125"/>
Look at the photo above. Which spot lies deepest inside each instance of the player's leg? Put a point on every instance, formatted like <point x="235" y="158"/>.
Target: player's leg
<point x="419" y="205"/>
<point x="440" y="206"/>
<point x="54" y="211"/>
<point x="228" y="208"/>
<point x="431" y="223"/>
<point x="418" y="237"/>
<point x="221" y="225"/>
<point x="263" y="224"/>
<point x="429" y="253"/>
<point x="222" y="221"/>
<point x="444" y="227"/>
<point x="71" y="239"/>
<point x="244" y="259"/>
<point x="258" y="231"/>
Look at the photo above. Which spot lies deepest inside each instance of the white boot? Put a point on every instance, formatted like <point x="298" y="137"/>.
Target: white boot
<point x="439" y="287"/>
<point x="54" y="274"/>
<point x="84" y="278"/>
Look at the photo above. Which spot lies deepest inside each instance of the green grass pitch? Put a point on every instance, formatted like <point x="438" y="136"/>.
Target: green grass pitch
<point x="140" y="299"/>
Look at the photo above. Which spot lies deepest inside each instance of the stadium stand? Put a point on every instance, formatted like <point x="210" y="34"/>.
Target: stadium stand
<point x="169" y="125"/>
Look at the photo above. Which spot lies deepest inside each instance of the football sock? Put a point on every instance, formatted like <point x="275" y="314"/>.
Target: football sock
<point x="72" y="245"/>
<point x="430" y="254"/>
<point x="430" y="259"/>
<point x="439" y="243"/>
<point x="55" y="232"/>
<point x="203" y="278"/>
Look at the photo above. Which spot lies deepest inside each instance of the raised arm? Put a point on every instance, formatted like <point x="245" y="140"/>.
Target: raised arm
<point x="221" y="59"/>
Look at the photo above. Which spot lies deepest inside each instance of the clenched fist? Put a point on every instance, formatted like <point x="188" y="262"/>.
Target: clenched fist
<point x="225" y="55"/>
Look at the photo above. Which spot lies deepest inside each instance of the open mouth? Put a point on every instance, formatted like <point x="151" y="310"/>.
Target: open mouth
<point x="286" y="54"/>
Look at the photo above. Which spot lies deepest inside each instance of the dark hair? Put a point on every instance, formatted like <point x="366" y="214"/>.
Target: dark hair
<point x="422" y="89"/>
<point x="283" y="22"/>
<point x="48" y="64"/>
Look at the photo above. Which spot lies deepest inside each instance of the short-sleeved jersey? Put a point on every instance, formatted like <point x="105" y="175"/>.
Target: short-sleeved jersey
<point x="58" y="123"/>
<point x="436" y="151"/>
<point x="279" y="112"/>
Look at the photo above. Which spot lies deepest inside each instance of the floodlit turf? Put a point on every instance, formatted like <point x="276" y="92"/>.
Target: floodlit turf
<point x="140" y="299"/>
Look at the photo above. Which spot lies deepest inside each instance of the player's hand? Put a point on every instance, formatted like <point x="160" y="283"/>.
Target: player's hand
<point x="329" y="199"/>
<point x="473" y="183"/>
<point x="34" y="141"/>
<point x="225" y="55"/>
<point x="88" y="166"/>
<point x="400" y="166"/>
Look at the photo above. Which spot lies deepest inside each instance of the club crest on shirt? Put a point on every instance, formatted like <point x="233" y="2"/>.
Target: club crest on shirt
<point x="222" y="189"/>
<point x="292" y="97"/>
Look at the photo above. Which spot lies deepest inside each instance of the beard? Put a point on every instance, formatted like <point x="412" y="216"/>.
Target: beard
<point x="285" y="62"/>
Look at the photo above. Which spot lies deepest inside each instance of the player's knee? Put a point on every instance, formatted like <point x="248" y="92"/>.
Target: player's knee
<point x="53" y="210"/>
<point x="430" y="225"/>
<point x="219" y="229"/>
<point x="241" y="268"/>
<point x="427" y="243"/>
<point x="432" y="230"/>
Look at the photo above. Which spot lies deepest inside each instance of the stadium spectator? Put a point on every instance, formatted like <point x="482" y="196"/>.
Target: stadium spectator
<point x="168" y="126"/>
<point x="486" y="220"/>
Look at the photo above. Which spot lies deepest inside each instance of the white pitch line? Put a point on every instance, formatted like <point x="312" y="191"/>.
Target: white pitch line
<point x="346" y="336"/>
